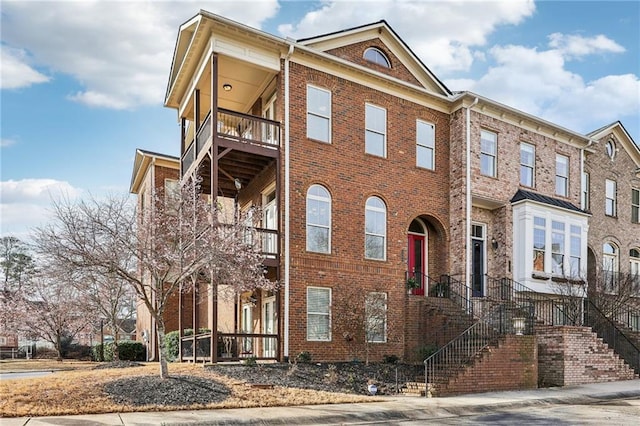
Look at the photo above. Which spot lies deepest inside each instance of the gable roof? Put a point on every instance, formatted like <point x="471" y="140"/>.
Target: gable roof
<point x="522" y="195"/>
<point x="617" y="129"/>
<point x="143" y="160"/>
<point x="382" y="31"/>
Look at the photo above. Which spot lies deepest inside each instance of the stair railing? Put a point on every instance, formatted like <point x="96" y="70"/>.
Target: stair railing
<point x="609" y="332"/>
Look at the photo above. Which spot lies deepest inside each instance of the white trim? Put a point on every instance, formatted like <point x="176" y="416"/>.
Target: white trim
<point x="287" y="189"/>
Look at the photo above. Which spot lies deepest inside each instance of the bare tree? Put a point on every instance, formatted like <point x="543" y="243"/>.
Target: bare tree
<point x="361" y="320"/>
<point x="53" y="310"/>
<point x="174" y="243"/>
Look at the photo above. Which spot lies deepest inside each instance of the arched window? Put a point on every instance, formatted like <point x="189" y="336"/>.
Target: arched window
<point x="610" y="254"/>
<point x="318" y="219"/>
<point x="375" y="240"/>
<point x="376" y="56"/>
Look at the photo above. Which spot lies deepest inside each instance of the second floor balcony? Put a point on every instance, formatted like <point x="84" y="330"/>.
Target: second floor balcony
<point x="233" y="131"/>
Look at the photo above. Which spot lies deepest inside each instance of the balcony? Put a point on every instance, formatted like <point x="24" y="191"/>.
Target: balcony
<point x="234" y="131"/>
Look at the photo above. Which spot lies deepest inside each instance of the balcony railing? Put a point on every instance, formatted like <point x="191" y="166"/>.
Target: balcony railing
<point x="231" y="347"/>
<point x="236" y="127"/>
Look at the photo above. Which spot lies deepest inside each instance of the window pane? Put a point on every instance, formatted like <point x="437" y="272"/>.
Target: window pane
<point x="527" y="154"/>
<point x="317" y="128"/>
<point x="425" y="134"/>
<point x="318" y="101"/>
<point x="374" y="144"/>
<point x="538" y="239"/>
<point x="487" y="166"/>
<point x="424" y="157"/>
<point x="376" y="119"/>
<point x="635" y="196"/>
<point x="374" y="247"/>
<point x="488" y="142"/>
<point x="317" y="327"/>
<point x="526" y="176"/>
<point x="317" y="239"/>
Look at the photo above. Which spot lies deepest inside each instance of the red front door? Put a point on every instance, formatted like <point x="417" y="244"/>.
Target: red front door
<point x="416" y="262"/>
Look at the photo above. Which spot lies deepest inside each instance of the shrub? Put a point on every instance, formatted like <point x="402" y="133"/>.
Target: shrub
<point x="81" y="352"/>
<point x="303" y="357"/>
<point x="131" y="351"/>
<point x="390" y="359"/>
<point x="250" y="361"/>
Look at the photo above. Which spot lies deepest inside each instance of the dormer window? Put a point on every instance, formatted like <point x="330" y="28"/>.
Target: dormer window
<point x="611" y="149"/>
<point x="376" y="56"/>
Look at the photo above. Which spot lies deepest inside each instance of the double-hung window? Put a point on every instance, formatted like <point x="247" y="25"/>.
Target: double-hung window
<point x="375" y="141"/>
<point x="318" y="314"/>
<point x="375" y="240"/>
<point x="562" y="175"/>
<point x="610" y="197"/>
<point x="425" y="144"/>
<point x="635" y="205"/>
<point x="318" y="219"/>
<point x="557" y="248"/>
<point x="539" y="243"/>
<point x="585" y="190"/>
<point x="527" y="164"/>
<point x="574" y="251"/>
<point x="488" y="153"/>
<point x="318" y="114"/>
<point x="375" y="311"/>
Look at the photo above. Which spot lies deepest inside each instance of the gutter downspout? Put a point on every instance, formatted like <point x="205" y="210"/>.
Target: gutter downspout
<point x="468" y="202"/>
<point x="287" y="262"/>
<point x="583" y="205"/>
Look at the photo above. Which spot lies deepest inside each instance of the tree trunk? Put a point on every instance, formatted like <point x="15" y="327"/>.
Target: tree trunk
<point x="59" y="346"/>
<point x="162" y="351"/>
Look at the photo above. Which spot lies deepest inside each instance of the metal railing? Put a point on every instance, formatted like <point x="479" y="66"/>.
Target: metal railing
<point x="231" y="347"/>
<point x="611" y="334"/>
<point x="234" y="126"/>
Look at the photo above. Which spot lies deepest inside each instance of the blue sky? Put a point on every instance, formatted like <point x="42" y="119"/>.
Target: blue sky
<point x="83" y="82"/>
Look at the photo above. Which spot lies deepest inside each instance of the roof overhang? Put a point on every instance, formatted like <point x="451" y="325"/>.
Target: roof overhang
<point x="142" y="163"/>
<point x="625" y="139"/>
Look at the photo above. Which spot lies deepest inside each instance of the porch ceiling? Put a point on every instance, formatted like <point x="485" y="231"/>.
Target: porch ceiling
<point x="247" y="81"/>
<point x="234" y="165"/>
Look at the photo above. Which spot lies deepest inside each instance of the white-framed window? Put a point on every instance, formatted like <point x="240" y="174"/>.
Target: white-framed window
<point x="635" y="205"/>
<point x="527" y="164"/>
<point x="425" y="144"/>
<point x="634" y="268"/>
<point x="171" y="195"/>
<point x="586" y="183"/>
<point x="488" y="153"/>
<point x="610" y="147"/>
<point x="575" y="260"/>
<point x="562" y="175"/>
<point x="610" y="266"/>
<point x="375" y="140"/>
<point x="557" y="248"/>
<point x="375" y="55"/>
<point x="319" y="314"/>
<point x="539" y="243"/>
<point x="318" y="219"/>
<point x="375" y="240"/>
<point x="610" y="208"/>
<point x="318" y="114"/>
<point x="376" y="317"/>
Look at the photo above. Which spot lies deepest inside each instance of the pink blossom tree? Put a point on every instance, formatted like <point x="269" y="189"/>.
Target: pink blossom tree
<point x="177" y="240"/>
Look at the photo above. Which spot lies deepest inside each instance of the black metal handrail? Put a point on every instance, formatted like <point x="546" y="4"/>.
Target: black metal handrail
<point x="609" y="332"/>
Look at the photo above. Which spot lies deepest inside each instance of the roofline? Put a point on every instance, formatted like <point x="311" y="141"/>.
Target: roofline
<point x="139" y="161"/>
<point x="378" y="24"/>
<point x="471" y="95"/>
<point x="551" y="206"/>
<point x="602" y="131"/>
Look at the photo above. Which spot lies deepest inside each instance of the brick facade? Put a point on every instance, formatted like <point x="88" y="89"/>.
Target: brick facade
<point x="575" y="355"/>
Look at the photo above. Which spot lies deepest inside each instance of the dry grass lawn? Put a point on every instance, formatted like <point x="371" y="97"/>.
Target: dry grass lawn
<point x="79" y="390"/>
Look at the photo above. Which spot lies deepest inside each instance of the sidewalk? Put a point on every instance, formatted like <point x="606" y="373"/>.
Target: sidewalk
<point x="388" y="409"/>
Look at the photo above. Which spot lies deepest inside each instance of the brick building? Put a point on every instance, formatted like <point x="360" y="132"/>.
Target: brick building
<point x="380" y="191"/>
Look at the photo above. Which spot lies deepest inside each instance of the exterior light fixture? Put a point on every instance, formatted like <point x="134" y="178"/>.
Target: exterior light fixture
<point x="494" y="243"/>
<point x="227" y="87"/>
<point x="237" y="183"/>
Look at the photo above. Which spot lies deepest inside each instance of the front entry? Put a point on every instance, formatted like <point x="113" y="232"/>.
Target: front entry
<point x="477" y="261"/>
<point x="416" y="262"/>
<point x="269" y="327"/>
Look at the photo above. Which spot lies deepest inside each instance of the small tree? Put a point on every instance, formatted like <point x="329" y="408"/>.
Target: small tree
<point x="360" y="319"/>
<point x="53" y="310"/>
<point x="175" y="242"/>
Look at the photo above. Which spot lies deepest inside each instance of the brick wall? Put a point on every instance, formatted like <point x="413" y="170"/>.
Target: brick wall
<point x="351" y="176"/>
<point x="570" y="355"/>
<point x="511" y="365"/>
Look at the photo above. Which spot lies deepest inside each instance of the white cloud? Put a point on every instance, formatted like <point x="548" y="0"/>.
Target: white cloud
<point x="5" y="142"/>
<point x="538" y="82"/>
<point x="441" y="33"/>
<point x="578" y="46"/>
<point x="119" y="51"/>
<point x="15" y="72"/>
<point x="26" y="203"/>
